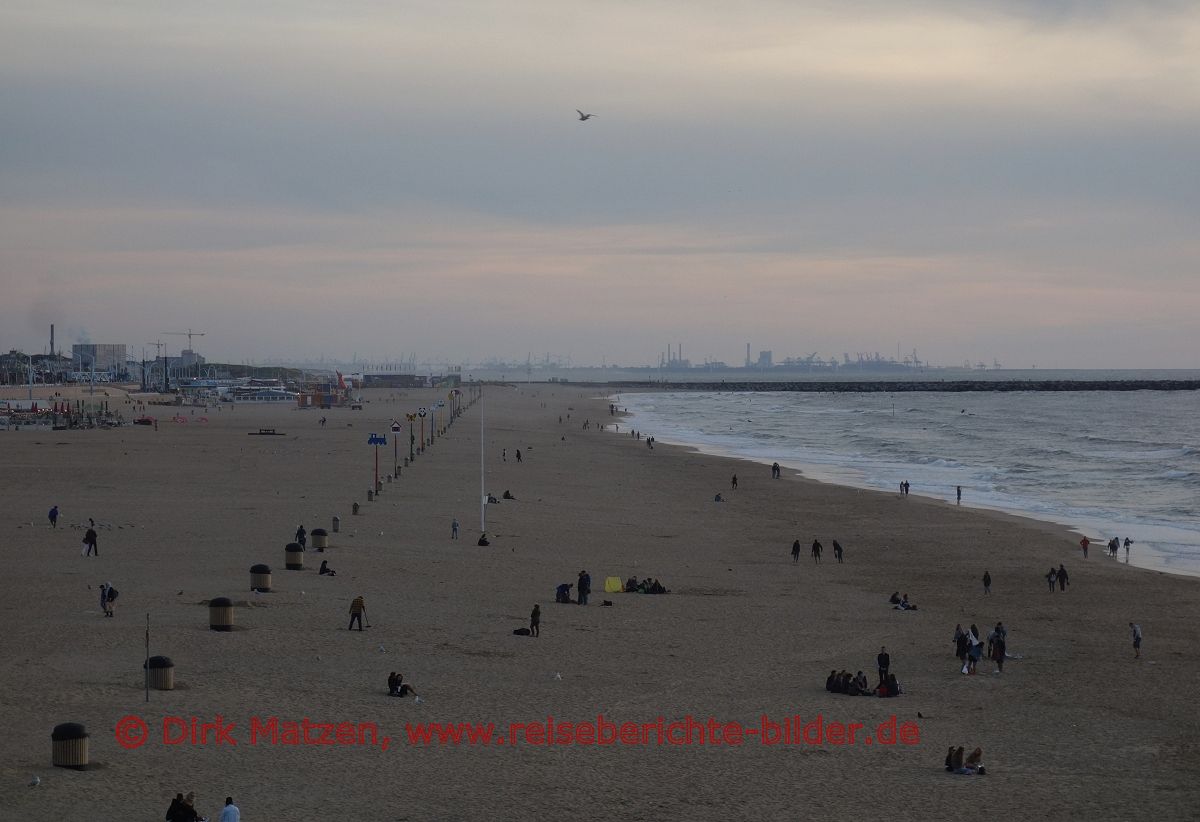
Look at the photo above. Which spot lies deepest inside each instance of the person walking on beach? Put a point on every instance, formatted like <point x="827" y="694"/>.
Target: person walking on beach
<point x="775" y="471"/>
<point x="53" y="517"/>
<point x="230" y="813"/>
<point x="104" y="598"/>
<point x="504" y="455"/>
<point x="584" y="587"/>
<point x="795" y="552"/>
<point x="535" y="620"/>
<point x="358" y="609"/>
<point x="89" y="539"/>
<point x="1084" y="543"/>
<point x="1135" y="632"/>
<point x="1051" y="578"/>
<point x="733" y="482"/>
<point x="301" y="536"/>
<point x="454" y="528"/>
<point x="837" y="551"/>
<point x="1128" y="542"/>
<point x="816" y="552"/>
<point x="883" y="662"/>
<point x="958" y="491"/>
<point x="518" y="455"/>
<point x="1061" y="575"/>
<point x="110" y="599"/>
<point x="987" y="582"/>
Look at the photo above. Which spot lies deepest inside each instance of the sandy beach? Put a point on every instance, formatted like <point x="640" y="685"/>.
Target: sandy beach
<point x="1075" y="727"/>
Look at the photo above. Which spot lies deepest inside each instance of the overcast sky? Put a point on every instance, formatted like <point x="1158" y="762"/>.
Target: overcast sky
<point x="977" y="180"/>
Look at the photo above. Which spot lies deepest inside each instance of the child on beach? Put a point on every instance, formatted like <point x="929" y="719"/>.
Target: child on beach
<point x="1135" y="632"/>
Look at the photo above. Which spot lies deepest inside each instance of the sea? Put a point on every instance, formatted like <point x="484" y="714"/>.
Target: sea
<point x="1103" y="463"/>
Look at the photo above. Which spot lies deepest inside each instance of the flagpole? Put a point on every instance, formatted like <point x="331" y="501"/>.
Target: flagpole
<point x="482" y="488"/>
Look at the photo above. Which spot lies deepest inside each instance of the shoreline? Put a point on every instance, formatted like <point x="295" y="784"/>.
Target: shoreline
<point x="815" y="473"/>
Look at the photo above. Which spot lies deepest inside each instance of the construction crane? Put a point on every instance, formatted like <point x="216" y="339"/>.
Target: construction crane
<point x="189" y="334"/>
<point x="158" y="357"/>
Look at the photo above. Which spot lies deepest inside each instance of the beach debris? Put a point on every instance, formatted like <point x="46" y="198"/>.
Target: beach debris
<point x="417" y="700"/>
<point x="557" y="675"/>
<point x="37" y="780"/>
<point x="382" y="650"/>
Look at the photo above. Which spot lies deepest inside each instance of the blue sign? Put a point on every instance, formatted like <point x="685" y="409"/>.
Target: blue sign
<point x="376" y="439"/>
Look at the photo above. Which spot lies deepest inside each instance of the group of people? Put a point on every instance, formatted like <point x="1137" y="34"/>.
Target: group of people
<point x="1058" y="575"/>
<point x="969" y="649"/>
<point x="816" y="550"/>
<point x="842" y="682"/>
<point x="183" y="809"/>
<point x="1113" y="546"/>
<point x="108" y="597"/>
<point x="649" y="585"/>
<point x="958" y="761"/>
<point x="900" y="602"/>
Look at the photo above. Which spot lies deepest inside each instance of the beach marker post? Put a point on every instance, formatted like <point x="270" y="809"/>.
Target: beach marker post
<point x="411" y="438"/>
<point x="422" y="412"/>
<point x="377" y="440"/>
<point x="395" y="448"/>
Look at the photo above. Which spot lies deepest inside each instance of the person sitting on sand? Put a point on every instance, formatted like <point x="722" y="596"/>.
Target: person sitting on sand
<point x="893" y="686"/>
<point x="508" y="494"/>
<point x="894" y="598"/>
<point x="656" y="587"/>
<point x="631" y="585"/>
<point x="492" y="500"/>
<point x="718" y="498"/>
<point x="483" y="540"/>
<point x="905" y="605"/>
<point x="562" y="593"/>
<point x="396" y="686"/>
<point x="973" y="764"/>
<point x="326" y="570"/>
<point x="864" y="687"/>
<point x="831" y="682"/>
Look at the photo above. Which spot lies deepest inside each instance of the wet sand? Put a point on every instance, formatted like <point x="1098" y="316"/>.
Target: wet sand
<point x="1075" y="728"/>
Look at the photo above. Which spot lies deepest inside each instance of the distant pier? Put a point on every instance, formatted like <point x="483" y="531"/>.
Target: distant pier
<point x="899" y="386"/>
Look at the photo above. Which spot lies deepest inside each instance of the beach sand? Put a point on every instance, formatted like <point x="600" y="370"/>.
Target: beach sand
<point x="1075" y="729"/>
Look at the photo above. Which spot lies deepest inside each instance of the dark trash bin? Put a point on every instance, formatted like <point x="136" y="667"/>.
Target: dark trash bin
<point x="162" y="673"/>
<point x="260" y="578"/>
<point x="70" y="746"/>
<point x="220" y="614"/>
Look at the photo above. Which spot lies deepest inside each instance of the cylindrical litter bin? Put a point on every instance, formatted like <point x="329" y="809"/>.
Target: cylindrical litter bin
<point x="370" y="496"/>
<point x="320" y="538"/>
<point x="260" y="578"/>
<point x="70" y="746"/>
<point x="220" y="614"/>
<point x="337" y="524"/>
<point x="162" y="673"/>
<point x="293" y="556"/>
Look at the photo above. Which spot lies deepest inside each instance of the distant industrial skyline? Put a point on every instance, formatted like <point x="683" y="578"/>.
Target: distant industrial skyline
<point x="1015" y="181"/>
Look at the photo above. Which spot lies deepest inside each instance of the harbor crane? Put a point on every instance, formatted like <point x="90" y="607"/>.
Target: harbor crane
<point x="189" y="334"/>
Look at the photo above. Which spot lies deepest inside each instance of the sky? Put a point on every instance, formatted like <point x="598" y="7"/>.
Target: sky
<point x="1015" y="181"/>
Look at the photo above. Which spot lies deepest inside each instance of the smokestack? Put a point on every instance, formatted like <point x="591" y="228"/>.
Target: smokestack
<point x="52" y="352"/>
<point x="747" y="355"/>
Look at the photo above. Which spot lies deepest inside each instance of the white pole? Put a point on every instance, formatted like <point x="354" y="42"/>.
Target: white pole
<point x="482" y="488"/>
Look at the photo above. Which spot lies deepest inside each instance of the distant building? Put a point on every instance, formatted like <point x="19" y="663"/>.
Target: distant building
<point x="108" y="358"/>
<point x="765" y="359"/>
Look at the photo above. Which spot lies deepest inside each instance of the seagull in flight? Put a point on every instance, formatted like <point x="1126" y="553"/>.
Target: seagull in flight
<point x="583" y="116"/>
